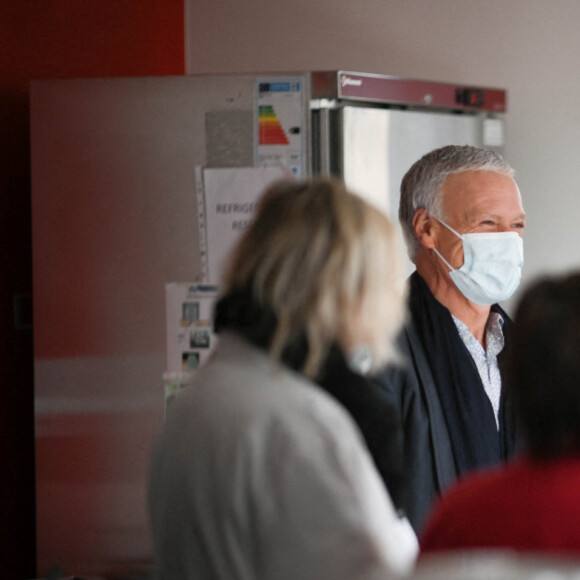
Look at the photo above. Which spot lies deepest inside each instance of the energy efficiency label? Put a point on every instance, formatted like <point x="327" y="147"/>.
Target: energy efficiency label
<point x="281" y="123"/>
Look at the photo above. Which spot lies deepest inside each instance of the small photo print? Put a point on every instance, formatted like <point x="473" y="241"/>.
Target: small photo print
<point x="190" y="360"/>
<point x="189" y="313"/>
<point x="199" y="338"/>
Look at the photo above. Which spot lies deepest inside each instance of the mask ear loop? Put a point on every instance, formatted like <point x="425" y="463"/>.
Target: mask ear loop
<point x="451" y="268"/>
<point x="448" y="227"/>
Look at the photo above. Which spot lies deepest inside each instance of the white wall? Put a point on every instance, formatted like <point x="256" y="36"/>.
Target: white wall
<point x="529" y="47"/>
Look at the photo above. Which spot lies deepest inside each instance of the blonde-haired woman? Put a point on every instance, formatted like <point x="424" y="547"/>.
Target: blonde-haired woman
<point x="259" y="473"/>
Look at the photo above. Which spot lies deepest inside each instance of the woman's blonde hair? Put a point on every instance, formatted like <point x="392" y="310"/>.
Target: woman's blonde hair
<point x="327" y="265"/>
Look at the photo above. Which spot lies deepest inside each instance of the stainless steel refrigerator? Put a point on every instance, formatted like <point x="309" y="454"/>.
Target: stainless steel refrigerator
<point x="116" y="217"/>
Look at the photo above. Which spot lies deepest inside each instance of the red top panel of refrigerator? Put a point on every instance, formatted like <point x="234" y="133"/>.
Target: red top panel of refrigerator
<point x="393" y="90"/>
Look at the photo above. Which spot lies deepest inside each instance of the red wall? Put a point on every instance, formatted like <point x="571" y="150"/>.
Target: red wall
<point x="60" y="38"/>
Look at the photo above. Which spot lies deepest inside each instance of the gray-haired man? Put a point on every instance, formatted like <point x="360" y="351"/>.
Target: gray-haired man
<point x="462" y="217"/>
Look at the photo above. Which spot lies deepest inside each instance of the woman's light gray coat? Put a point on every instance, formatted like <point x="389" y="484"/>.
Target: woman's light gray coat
<point x="259" y="474"/>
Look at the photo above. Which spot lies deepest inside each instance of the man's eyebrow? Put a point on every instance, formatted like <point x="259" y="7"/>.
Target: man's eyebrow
<point x="521" y="216"/>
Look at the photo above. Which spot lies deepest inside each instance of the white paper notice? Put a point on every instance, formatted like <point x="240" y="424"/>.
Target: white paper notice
<point x="189" y="313"/>
<point x="230" y="197"/>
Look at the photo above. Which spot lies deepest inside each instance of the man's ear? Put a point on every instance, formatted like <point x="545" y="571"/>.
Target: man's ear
<point x="423" y="227"/>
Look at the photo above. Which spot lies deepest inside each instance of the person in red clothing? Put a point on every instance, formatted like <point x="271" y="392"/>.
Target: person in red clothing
<point x="532" y="503"/>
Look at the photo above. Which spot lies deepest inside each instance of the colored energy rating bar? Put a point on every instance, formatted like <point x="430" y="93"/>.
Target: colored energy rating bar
<point x="269" y="127"/>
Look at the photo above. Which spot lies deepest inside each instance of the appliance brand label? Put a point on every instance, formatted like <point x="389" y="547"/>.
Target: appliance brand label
<point x="349" y="81"/>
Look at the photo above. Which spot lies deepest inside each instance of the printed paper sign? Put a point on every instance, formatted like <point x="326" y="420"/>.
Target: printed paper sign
<point x="229" y="202"/>
<point x="190" y="338"/>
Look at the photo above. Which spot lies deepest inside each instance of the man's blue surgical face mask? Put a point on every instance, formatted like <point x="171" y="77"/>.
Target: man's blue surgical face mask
<point x="492" y="265"/>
